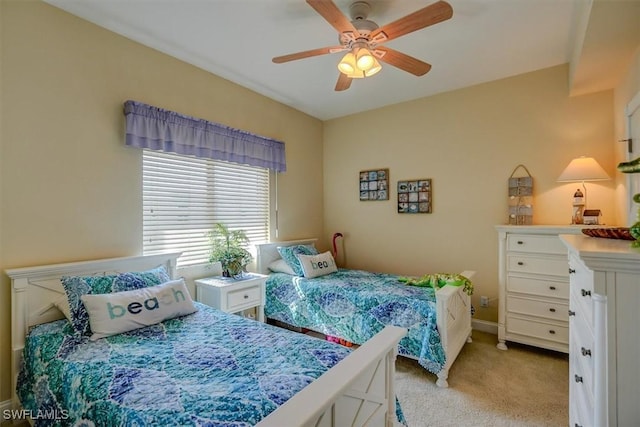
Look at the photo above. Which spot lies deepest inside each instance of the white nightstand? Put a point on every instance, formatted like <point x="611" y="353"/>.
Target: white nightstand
<point x="233" y="295"/>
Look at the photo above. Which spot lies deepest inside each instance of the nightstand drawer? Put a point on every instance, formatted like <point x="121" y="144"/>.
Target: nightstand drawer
<point x="233" y="295"/>
<point x="535" y="244"/>
<point x="552" y="266"/>
<point x="242" y="297"/>
<point x="541" y="287"/>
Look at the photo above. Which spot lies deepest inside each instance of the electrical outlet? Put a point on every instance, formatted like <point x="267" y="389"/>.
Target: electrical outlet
<point x="484" y="301"/>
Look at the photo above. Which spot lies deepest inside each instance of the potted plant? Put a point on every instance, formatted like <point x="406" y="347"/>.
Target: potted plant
<point x="227" y="249"/>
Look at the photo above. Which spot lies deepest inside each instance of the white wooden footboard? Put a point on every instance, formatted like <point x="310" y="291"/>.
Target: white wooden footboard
<point x="358" y="391"/>
<point x="453" y="317"/>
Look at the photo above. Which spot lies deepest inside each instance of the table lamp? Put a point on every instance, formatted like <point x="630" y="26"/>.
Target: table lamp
<point x="582" y="169"/>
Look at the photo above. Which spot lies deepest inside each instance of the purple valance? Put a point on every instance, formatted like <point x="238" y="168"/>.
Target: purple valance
<point x="163" y="130"/>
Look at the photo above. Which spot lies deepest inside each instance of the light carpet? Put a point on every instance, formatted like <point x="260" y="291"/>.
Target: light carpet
<point x="523" y="386"/>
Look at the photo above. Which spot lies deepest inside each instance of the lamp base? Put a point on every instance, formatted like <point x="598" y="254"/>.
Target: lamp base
<point x="577" y="217"/>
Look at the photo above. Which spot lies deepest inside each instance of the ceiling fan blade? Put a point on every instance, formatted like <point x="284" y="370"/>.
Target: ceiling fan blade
<point x="330" y="12"/>
<point x="403" y="61"/>
<point x="307" y="54"/>
<point x="432" y="14"/>
<point x="343" y="83"/>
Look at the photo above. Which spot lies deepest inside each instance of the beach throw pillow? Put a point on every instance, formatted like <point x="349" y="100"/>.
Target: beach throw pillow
<point x="317" y="265"/>
<point x="115" y="313"/>
<point x="76" y="286"/>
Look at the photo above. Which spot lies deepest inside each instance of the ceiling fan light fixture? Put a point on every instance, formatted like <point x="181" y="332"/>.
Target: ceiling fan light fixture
<point x="348" y="64"/>
<point x="364" y="59"/>
<point x="375" y="68"/>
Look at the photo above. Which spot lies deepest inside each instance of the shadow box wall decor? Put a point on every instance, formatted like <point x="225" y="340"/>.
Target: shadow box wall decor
<point x="414" y="196"/>
<point x="374" y="184"/>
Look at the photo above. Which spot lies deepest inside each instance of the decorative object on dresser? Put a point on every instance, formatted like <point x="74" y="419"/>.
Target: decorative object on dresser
<point x="233" y="295"/>
<point x="414" y="196"/>
<point x="591" y="216"/>
<point x="520" y="198"/>
<point x="533" y="286"/>
<point x="604" y="349"/>
<point x="582" y="169"/>
<point x="374" y="184"/>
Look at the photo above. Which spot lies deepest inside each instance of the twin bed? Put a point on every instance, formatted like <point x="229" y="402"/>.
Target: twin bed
<point x="203" y="369"/>
<point x="213" y="368"/>
<point x="353" y="305"/>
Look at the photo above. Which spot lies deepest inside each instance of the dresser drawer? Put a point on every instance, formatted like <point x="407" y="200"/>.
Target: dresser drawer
<point x="551" y="265"/>
<point x="581" y="407"/>
<point x="247" y="296"/>
<point x="581" y="378"/>
<point x="533" y="328"/>
<point x="538" y="286"/>
<point x="535" y="244"/>
<point x="550" y="310"/>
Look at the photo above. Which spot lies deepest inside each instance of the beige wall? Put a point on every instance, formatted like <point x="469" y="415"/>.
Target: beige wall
<point x="468" y="142"/>
<point x="70" y="188"/>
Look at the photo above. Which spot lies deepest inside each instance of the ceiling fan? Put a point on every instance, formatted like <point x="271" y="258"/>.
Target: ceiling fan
<point x="362" y="39"/>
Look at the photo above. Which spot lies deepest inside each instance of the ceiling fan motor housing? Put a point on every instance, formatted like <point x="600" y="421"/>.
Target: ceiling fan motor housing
<point x="359" y="10"/>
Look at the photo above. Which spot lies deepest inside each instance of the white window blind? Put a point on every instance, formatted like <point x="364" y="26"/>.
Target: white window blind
<point x="184" y="196"/>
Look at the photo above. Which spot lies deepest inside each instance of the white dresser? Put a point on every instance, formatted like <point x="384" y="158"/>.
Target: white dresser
<point x="533" y="283"/>
<point x="604" y="355"/>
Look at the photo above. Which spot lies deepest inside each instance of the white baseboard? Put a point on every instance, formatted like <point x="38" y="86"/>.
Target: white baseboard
<point x="485" y="326"/>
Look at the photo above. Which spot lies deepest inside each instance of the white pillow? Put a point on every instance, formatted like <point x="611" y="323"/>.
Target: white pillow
<point x="111" y="314"/>
<point x="317" y="265"/>
<point x="281" y="266"/>
<point x="62" y="304"/>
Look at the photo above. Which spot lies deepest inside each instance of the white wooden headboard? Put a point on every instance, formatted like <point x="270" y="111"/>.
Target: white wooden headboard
<point x="268" y="252"/>
<point x="33" y="290"/>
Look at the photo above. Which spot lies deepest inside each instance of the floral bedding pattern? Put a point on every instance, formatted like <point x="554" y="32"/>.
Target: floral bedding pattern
<point x="205" y="369"/>
<point x="355" y="305"/>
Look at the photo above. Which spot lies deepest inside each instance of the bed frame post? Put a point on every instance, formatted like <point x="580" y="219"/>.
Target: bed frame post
<point x="18" y="332"/>
<point x="453" y="306"/>
<point x="391" y="372"/>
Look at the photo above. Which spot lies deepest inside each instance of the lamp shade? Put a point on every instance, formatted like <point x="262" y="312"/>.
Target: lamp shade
<point x="348" y="64"/>
<point x="583" y="169"/>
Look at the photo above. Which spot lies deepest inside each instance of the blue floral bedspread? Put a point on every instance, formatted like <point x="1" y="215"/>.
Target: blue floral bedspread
<point x="204" y="369"/>
<point x="355" y="305"/>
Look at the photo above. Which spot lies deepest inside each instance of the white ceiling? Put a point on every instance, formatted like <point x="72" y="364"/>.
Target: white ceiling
<point x="485" y="40"/>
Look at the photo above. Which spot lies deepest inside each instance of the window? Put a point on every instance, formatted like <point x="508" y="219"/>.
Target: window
<point x="184" y="196"/>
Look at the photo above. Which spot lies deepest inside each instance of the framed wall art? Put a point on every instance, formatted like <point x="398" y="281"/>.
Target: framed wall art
<point x="374" y="184"/>
<point x="414" y="196"/>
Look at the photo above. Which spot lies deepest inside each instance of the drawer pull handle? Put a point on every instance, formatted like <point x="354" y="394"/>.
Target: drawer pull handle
<point x="578" y="378"/>
<point x="552" y="332"/>
<point x="246" y="296"/>
<point x="520" y="263"/>
<point x="585" y="293"/>
<point x="553" y="288"/>
<point x="572" y="313"/>
<point x="520" y="242"/>
<point x="585" y="352"/>
<point x="553" y="310"/>
<point x="571" y="270"/>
